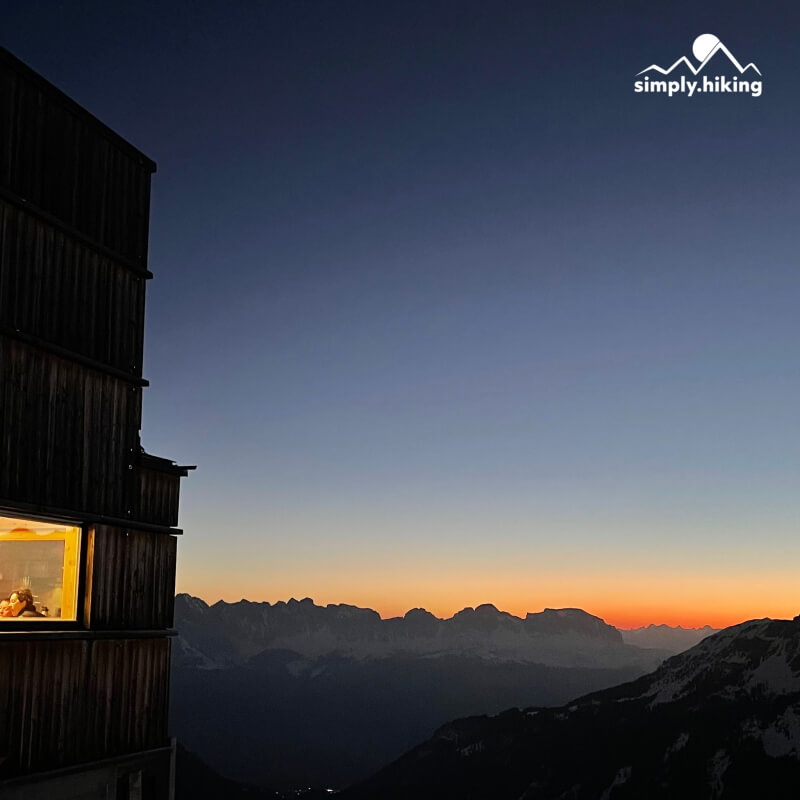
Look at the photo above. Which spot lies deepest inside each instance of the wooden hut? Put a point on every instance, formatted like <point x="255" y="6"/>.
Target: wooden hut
<point x="87" y="519"/>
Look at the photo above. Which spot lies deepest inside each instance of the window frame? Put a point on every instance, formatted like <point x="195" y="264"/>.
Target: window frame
<point x="48" y="625"/>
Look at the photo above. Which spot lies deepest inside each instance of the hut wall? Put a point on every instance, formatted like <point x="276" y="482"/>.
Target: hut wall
<point x="74" y="211"/>
<point x="159" y="493"/>
<point x="130" y="579"/>
<point x="67" y="434"/>
<point x="60" y="160"/>
<point x="58" y="289"/>
<point x="85" y="700"/>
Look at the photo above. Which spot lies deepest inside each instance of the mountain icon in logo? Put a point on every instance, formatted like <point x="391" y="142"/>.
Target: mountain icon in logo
<point x="705" y="47"/>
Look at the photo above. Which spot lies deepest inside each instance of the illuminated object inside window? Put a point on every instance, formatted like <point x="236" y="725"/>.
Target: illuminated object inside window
<point x="38" y="570"/>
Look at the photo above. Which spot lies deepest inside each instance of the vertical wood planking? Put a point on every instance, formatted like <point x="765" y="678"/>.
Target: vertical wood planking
<point x="55" y="288"/>
<point x="133" y="579"/>
<point x="159" y="493"/>
<point x="83" y="700"/>
<point x="74" y="217"/>
<point x="59" y="159"/>
<point x="67" y="434"/>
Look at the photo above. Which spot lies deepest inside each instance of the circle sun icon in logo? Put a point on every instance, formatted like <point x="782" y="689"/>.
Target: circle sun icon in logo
<point x="703" y="45"/>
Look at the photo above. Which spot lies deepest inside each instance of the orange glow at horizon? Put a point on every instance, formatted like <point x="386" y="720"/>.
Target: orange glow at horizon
<point x="629" y="601"/>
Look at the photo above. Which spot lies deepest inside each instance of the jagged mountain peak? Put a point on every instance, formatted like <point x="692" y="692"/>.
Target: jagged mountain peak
<point x="483" y="610"/>
<point x="419" y="613"/>
<point x="664" y="627"/>
<point x="224" y="604"/>
<point x="190" y="602"/>
<point x="570" y="620"/>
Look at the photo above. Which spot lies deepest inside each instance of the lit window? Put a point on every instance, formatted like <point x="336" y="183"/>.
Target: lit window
<point x="38" y="570"/>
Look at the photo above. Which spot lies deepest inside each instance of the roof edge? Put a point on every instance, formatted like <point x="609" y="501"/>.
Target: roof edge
<point x="31" y="74"/>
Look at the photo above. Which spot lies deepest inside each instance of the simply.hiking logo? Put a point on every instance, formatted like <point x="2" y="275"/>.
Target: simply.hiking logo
<point x="705" y="48"/>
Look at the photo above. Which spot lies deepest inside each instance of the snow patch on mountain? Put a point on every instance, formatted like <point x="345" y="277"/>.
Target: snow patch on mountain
<point x="775" y="674"/>
<point x="716" y="771"/>
<point x="623" y="776"/>
<point x="722" y="660"/>
<point x="676" y="746"/>
<point x="779" y="738"/>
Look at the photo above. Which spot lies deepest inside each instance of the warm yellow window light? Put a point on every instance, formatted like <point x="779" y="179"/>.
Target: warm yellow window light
<point x="38" y="570"/>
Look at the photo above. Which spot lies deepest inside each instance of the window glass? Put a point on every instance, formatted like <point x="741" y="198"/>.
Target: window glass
<point x="38" y="570"/>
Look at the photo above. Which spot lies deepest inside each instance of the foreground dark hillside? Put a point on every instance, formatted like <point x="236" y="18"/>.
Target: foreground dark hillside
<point x="719" y="721"/>
<point x="281" y="721"/>
<point x="195" y="780"/>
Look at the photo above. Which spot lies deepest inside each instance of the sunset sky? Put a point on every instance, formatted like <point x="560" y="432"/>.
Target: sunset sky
<point x="446" y="314"/>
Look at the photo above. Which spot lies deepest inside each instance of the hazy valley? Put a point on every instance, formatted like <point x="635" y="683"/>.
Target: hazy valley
<point x="295" y="694"/>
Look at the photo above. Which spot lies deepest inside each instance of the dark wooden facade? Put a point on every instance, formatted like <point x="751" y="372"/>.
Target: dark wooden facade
<point x="83" y="704"/>
<point x="78" y="699"/>
<point x="131" y="579"/>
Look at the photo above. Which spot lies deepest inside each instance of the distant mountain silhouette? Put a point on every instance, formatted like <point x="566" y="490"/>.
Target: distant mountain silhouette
<point x="295" y="694"/>
<point x="229" y="633"/>
<point x="721" y="720"/>
<point x="664" y="637"/>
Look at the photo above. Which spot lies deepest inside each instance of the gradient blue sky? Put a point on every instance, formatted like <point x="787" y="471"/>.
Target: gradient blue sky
<point x="446" y="314"/>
